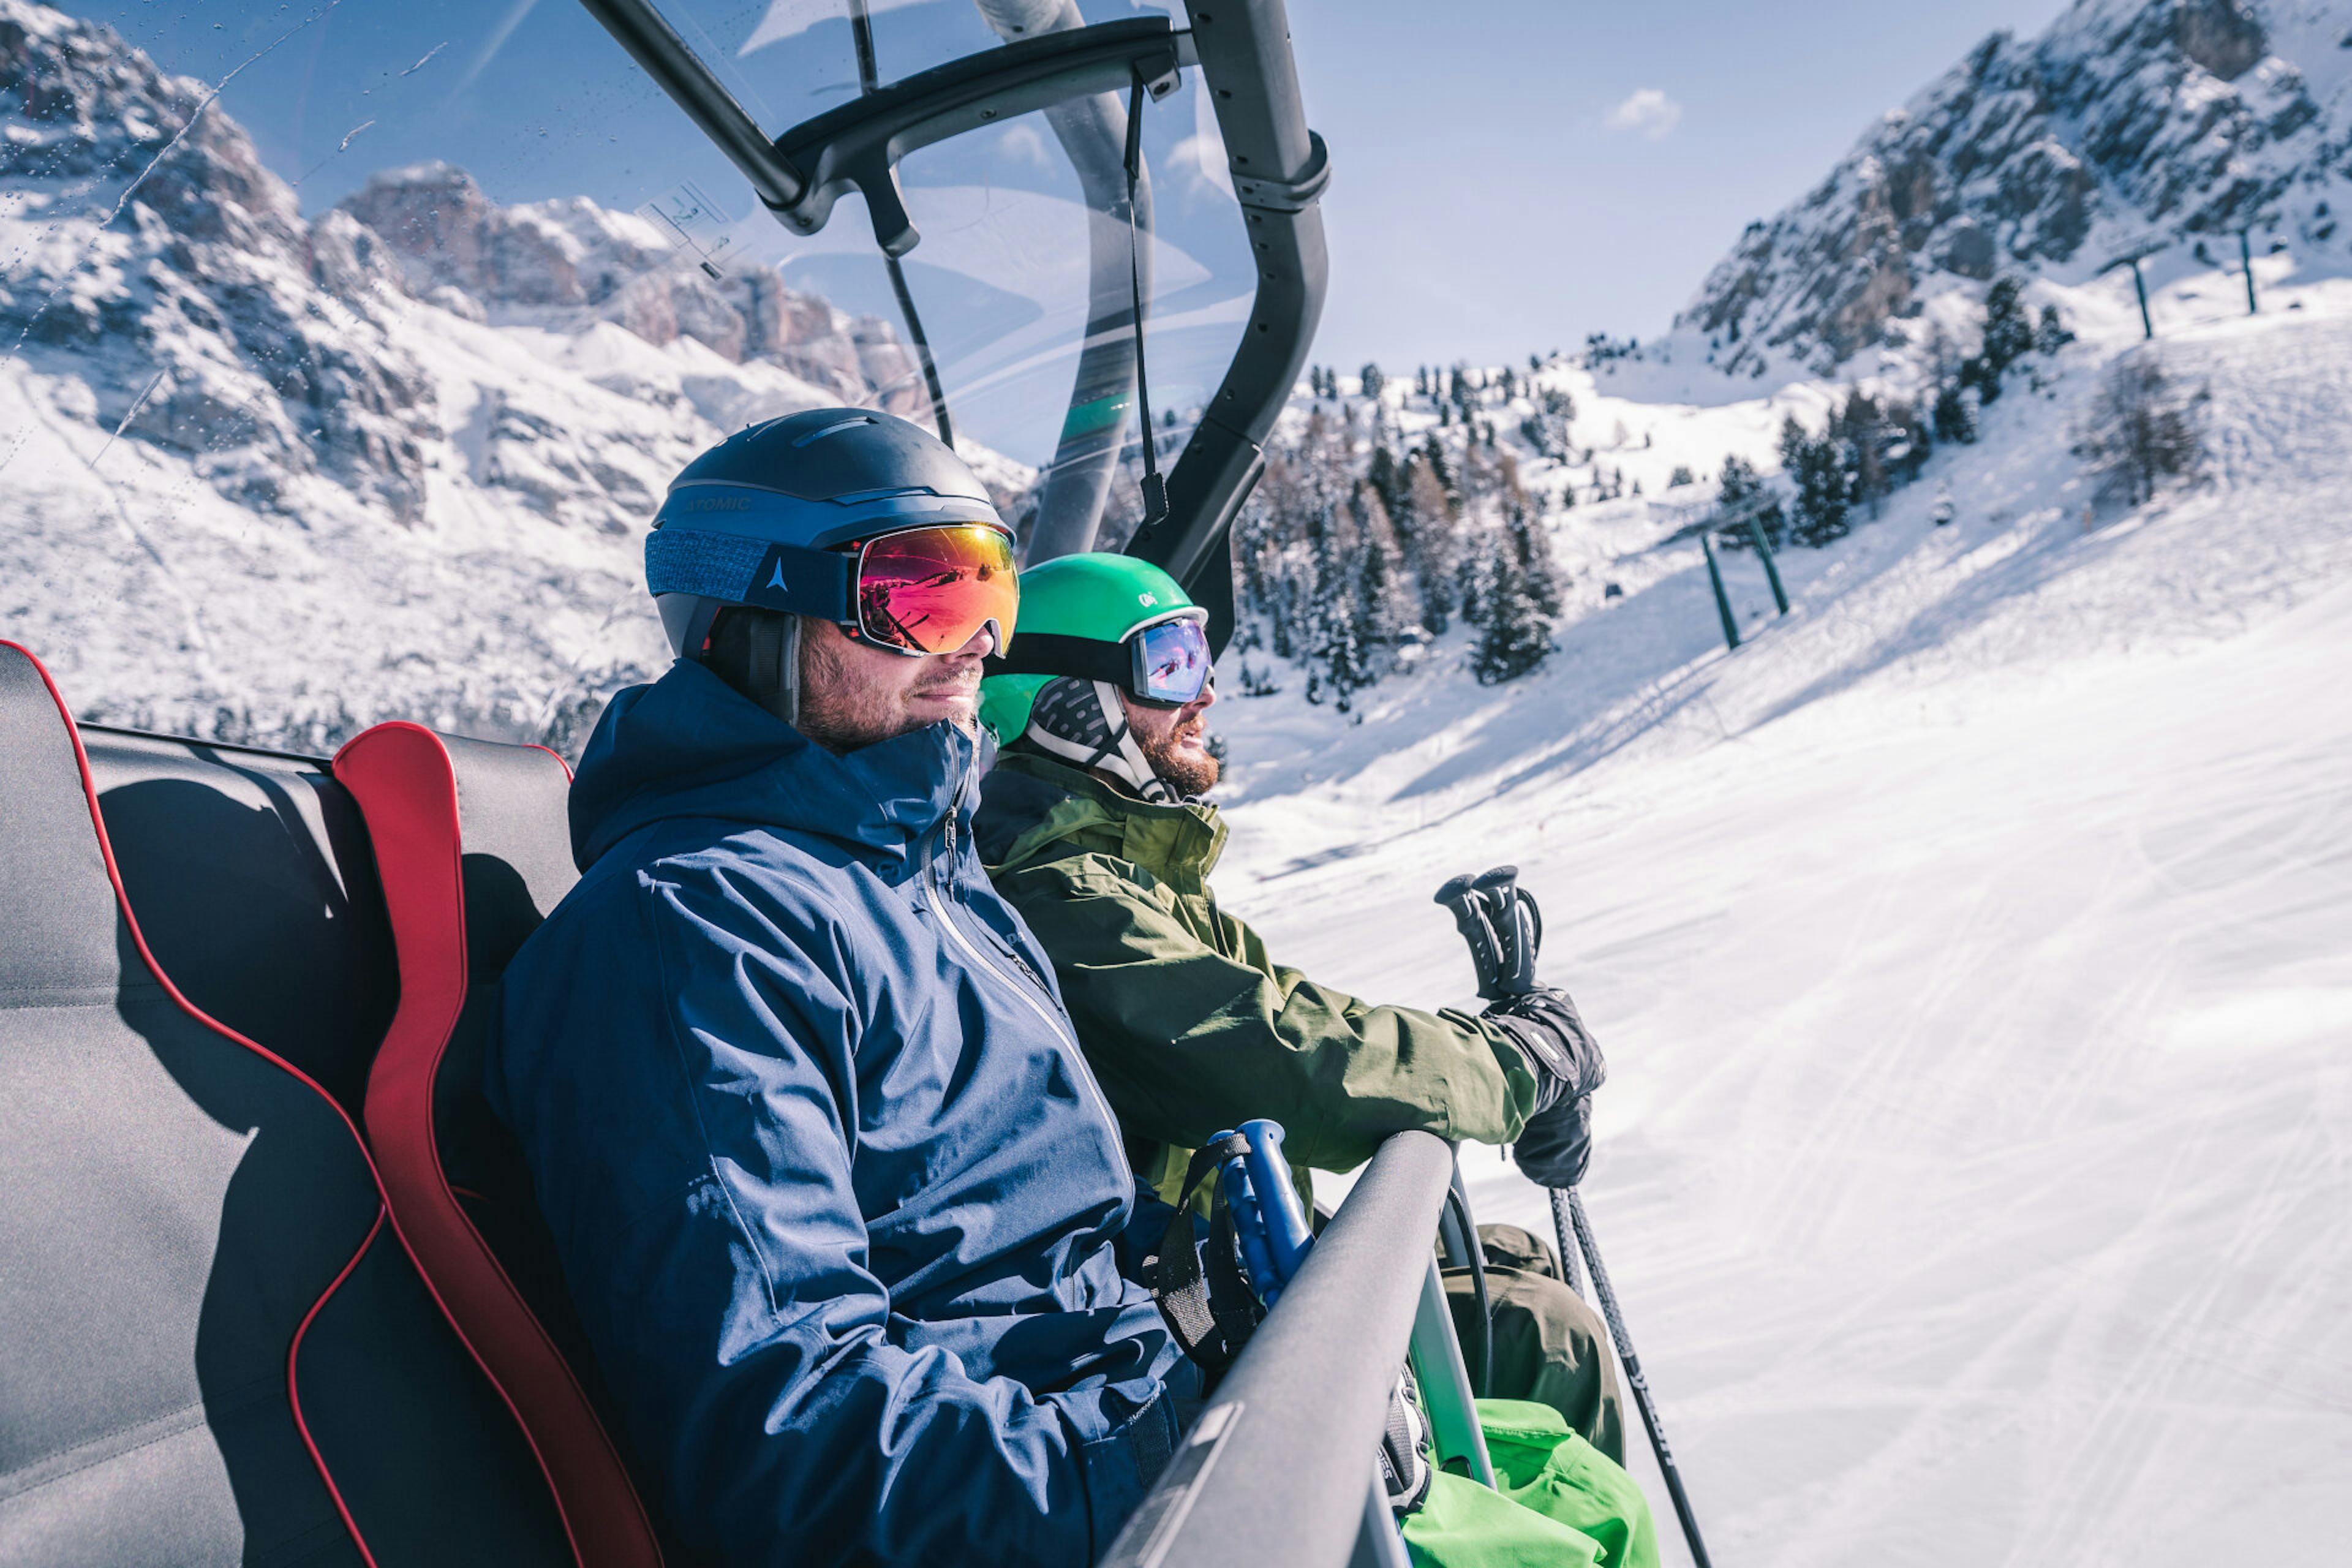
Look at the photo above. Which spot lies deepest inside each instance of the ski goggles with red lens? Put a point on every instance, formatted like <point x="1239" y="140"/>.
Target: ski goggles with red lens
<point x="931" y="590"/>
<point x="921" y="590"/>
<point x="1164" y="664"/>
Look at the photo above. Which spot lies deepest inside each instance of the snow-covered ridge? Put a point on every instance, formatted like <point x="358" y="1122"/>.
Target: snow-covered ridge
<point x="2128" y="124"/>
<point x="558" y="263"/>
<point x="270" y="479"/>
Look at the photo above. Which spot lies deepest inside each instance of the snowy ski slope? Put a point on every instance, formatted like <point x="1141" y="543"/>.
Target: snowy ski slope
<point x="1974" y="954"/>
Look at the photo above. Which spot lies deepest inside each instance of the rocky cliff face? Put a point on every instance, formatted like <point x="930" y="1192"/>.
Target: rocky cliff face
<point x="264" y="478"/>
<point x="212" y="321"/>
<point x="573" y="257"/>
<point x="2129" y="124"/>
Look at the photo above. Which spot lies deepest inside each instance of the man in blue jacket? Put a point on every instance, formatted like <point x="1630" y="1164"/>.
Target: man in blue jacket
<point x="831" y="1185"/>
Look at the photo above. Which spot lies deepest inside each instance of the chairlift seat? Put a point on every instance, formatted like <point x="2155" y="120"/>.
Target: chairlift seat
<point x="212" y="1346"/>
<point x="473" y="850"/>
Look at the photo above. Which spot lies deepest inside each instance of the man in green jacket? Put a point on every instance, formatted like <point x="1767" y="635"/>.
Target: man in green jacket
<point x="1092" y="826"/>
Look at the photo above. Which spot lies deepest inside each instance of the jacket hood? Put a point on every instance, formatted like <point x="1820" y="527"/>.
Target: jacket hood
<point x="1034" y="807"/>
<point x="689" y="745"/>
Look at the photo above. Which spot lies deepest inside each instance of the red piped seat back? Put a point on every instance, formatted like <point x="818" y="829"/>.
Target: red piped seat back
<point x="473" y="851"/>
<point x="211" y="1347"/>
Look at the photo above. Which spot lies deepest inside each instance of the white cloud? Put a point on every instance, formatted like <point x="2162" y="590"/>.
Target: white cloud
<point x="1201" y="155"/>
<point x="1649" y="111"/>
<point x="1021" y="141"/>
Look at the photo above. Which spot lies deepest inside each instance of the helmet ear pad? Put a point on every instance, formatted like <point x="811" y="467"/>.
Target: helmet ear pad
<point x="758" y="652"/>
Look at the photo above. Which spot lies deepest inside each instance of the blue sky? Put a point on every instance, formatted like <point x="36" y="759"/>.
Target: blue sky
<point x="1482" y="206"/>
<point x="1507" y="176"/>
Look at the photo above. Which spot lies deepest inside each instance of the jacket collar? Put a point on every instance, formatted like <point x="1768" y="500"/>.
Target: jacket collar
<point x="1038" y="808"/>
<point x="689" y="745"/>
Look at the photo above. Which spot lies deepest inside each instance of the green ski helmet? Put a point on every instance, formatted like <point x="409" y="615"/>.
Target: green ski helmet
<point x="1078" y="616"/>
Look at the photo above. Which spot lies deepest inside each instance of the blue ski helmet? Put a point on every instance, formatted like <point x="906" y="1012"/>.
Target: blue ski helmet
<point x="754" y="521"/>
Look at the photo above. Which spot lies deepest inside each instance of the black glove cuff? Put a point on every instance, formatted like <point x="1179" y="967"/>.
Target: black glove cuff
<point x="1560" y="1050"/>
<point x="1541" y="1055"/>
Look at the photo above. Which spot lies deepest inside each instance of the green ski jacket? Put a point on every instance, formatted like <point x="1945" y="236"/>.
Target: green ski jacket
<point x="1190" y="1026"/>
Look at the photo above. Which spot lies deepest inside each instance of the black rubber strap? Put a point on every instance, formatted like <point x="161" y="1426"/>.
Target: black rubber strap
<point x="1155" y="489"/>
<point x="1210" y="1317"/>
<point x="1051" y="653"/>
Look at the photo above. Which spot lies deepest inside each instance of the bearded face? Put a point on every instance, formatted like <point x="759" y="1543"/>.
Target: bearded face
<point x="853" y="695"/>
<point x="1175" y="742"/>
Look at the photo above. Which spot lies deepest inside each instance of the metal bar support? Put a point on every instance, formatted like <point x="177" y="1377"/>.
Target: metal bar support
<point x="1445" y="1382"/>
<point x="654" y="45"/>
<point x="1772" y="568"/>
<point x="1722" y="599"/>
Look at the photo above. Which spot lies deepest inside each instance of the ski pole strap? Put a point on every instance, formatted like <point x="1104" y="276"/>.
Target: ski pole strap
<point x="1210" y="1308"/>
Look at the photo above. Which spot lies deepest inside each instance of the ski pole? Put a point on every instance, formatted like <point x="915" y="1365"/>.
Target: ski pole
<point x="1566" y="1214"/>
<point x="1484" y="907"/>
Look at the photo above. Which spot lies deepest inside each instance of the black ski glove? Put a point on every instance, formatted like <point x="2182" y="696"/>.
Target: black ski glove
<point x="1554" y="1147"/>
<point x="1560" y="1050"/>
<point x="1557" y="1141"/>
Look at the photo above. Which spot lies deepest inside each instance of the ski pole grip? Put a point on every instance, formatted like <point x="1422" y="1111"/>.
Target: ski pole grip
<point x="1286" y="1232"/>
<point x="1458" y="895"/>
<point x="1250" y="1230"/>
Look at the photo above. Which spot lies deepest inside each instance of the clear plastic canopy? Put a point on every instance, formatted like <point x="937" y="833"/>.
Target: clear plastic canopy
<point x="791" y="60"/>
<point x="1021" y="267"/>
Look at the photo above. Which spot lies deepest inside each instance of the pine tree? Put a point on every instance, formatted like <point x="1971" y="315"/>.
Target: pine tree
<point x="2008" y="332"/>
<point x="1372" y="380"/>
<point x="1384" y="613"/>
<point x="1426" y="524"/>
<point x="1680" y="476"/>
<point x="1433" y="452"/>
<point x="1385" y="477"/>
<point x="1740" y="491"/>
<point x="1909" y="444"/>
<point x="1954" y="419"/>
<point x="1528" y="546"/>
<point x="2141" y="428"/>
<point x="1978" y="376"/>
<point x="2052" y="335"/>
<point x="1863" y="438"/>
<point x="1817" y="467"/>
<point x="1514" y="632"/>
<point x="1335" y="620"/>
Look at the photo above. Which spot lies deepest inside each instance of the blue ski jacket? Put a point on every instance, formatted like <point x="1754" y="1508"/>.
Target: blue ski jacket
<point x="829" y="1181"/>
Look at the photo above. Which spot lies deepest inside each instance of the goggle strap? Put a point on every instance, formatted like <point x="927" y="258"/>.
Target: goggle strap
<point x="804" y="581"/>
<point x="1051" y="653"/>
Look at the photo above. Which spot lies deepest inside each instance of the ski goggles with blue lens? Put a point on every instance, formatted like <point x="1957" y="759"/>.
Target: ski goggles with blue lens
<point x="1163" y="665"/>
<point x="1171" y="663"/>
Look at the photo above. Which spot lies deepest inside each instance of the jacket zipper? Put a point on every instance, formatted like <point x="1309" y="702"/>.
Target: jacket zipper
<point x="1078" y="1058"/>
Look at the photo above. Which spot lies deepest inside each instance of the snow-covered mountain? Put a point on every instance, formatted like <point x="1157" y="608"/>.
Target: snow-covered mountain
<point x="431" y="425"/>
<point x="558" y="263"/>
<point x="2129" y="124"/>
